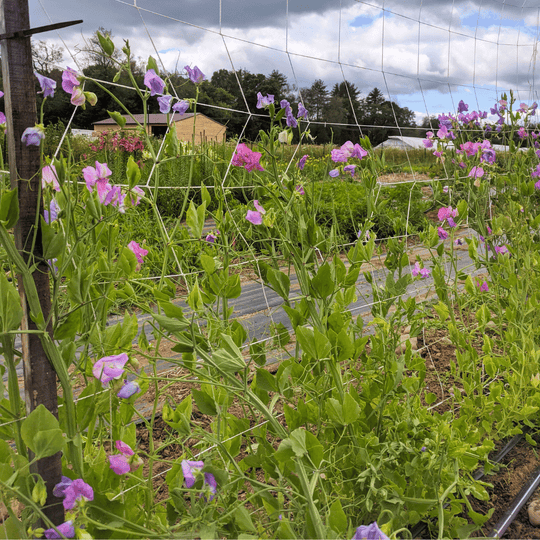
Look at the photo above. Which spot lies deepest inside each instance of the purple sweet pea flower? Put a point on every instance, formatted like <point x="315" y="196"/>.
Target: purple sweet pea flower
<point x="153" y="81"/>
<point x="459" y="242"/>
<point x="181" y="107"/>
<point x="60" y="488"/>
<point x="164" y="104"/>
<point x="501" y="250"/>
<point x="51" y="214"/>
<point x="334" y="173"/>
<point x="195" y="75"/>
<point x="349" y="169"/>
<point x="290" y="119"/>
<point x="300" y="190"/>
<point x="211" y="238"/>
<point x="211" y="484"/>
<point x="110" y="367"/>
<point x="369" y="532"/>
<point x="66" y="529"/>
<point x="129" y="389"/>
<point x="358" y="152"/>
<point x="443" y="235"/>
<point x="264" y="101"/>
<point x="47" y="85"/>
<point x="423" y="449"/>
<point x="302" y="162"/>
<point x="302" y="112"/>
<point x="484" y="287"/>
<point x="78" y="491"/>
<point x="284" y="104"/>
<point x="70" y="80"/>
<point x="462" y="107"/>
<point x="33" y="136"/>
<point x="189" y="469"/>
<point x="138" y="251"/>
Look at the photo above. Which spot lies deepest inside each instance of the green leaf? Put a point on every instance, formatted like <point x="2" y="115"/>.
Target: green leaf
<point x="351" y="410"/>
<point x="266" y="381"/>
<point x="127" y="262"/>
<point x="195" y="219"/>
<point x="152" y="64"/>
<point x="205" y="403"/>
<point x="337" y="518"/>
<point x="133" y="172"/>
<point x="442" y="311"/>
<point x="208" y="263"/>
<point x="257" y="353"/>
<point x="334" y="410"/>
<point x="69" y="326"/>
<point x="10" y="305"/>
<point x="9" y="208"/>
<point x="41" y="433"/>
<point x="53" y="241"/>
<point x="430" y="398"/>
<point x="313" y="342"/>
<point x="243" y="519"/>
<point x="174" y="326"/>
<point x="120" y="120"/>
<point x="483" y="315"/>
<point x="232" y="288"/>
<point x="279" y="282"/>
<point x="322" y="284"/>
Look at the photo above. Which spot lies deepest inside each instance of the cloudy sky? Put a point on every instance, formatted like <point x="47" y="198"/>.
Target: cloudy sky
<point x="423" y="54"/>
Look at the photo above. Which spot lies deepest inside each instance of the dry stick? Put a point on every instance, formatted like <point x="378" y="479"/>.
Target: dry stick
<point x="24" y="164"/>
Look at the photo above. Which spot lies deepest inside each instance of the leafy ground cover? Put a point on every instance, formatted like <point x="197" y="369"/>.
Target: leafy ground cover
<point x="350" y="431"/>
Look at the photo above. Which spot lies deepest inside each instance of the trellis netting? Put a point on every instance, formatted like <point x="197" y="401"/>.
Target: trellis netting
<point x="271" y="298"/>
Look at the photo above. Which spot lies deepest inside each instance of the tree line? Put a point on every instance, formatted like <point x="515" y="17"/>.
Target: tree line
<point x="228" y="97"/>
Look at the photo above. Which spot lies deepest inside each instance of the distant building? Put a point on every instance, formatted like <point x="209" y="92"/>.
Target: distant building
<point x="206" y="129"/>
<point x="83" y="133"/>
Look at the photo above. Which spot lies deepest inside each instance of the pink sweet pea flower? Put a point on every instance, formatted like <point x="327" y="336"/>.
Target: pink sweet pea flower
<point x="338" y="155"/>
<point x="446" y="213"/>
<point x="98" y="177"/>
<point x="245" y="157"/>
<point x="484" y="287"/>
<point x="138" y="251"/>
<point x="254" y="217"/>
<point x="422" y="272"/>
<point x="49" y="176"/>
<point x="358" y="152"/>
<point x="110" y="367"/>
<point x="78" y="97"/>
<point x="476" y="172"/>
<point x="119" y="464"/>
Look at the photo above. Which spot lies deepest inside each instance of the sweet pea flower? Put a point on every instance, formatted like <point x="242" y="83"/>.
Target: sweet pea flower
<point x="302" y="162"/>
<point x="189" y="468"/>
<point x="359" y="234"/>
<point x="123" y="463"/>
<point x="462" y="107"/>
<point x="49" y="176"/>
<point x="77" y="492"/>
<point x="181" y="107"/>
<point x="60" y="488"/>
<point x="47" y="85"/>
<point x="109" y="367"/>
<point x="522" y="133"/>
<point x="97" y="176"/>
<point x="334" y="173"/>
<point x="422" y="272"/>
<point x="153" y="81"/>
<point x="33" y="136"/>
<point x="244" y="157"/>
<point x="284" y="104"/>
<point x="290" y="119"/>
<point x="369" y="532"/>
<point x="349" y="169"/>
<point x="358" y="152"/>
<point x="254" y="217"/>
<point x="264" y="101"/>
<point x="129" y="389"/>
<point x="66" y="529"/>
<point x="78" y="97"/>
<point x="445" y="213"/>
<point x="300" y="189"/>
<point x="484" y="287"/>
<point x="459" y="241"/>
<point x="51" y="214"/>
<point x="138" y="251"/>
<point x="119" y="464"/>
<point x="443" y="235"/>
<point x="338" y="155"/>
<point x="164" y="104"/>
<point x="445" y="189"/>
<point x="302" y="112"/>
<point x="476" y="172"/>
<point x="501" y="250"/>
<point x="195" y="75"/>
<point x="70" y="80"/>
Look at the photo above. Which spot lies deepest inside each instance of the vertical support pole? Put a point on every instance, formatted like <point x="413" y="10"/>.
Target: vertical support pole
<point x="24" y="164"/>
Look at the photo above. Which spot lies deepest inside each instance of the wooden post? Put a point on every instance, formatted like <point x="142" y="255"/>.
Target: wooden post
<point x="24" y="165"/>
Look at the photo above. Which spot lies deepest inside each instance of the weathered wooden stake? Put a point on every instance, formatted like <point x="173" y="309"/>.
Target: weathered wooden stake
<point x="20" y="101"/>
